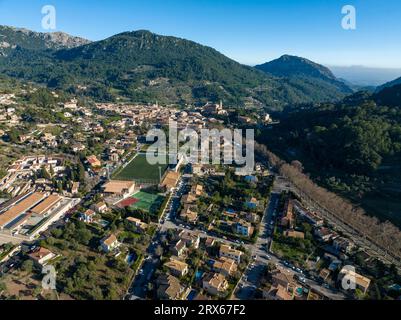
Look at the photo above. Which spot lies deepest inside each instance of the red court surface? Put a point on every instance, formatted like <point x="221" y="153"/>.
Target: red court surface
<point x="127" y="202"/>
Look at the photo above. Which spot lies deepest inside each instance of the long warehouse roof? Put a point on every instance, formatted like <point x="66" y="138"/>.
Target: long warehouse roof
<point x="20" y="208"/>
<point x="45" y="205"/>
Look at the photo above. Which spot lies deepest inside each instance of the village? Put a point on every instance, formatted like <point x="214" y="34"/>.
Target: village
<point x="78" y="194"/>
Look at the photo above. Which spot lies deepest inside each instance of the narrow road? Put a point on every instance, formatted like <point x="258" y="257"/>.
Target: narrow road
<point x="250" y="281"/>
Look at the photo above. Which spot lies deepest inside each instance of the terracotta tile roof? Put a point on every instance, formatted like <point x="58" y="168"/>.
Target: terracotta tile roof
<point x="94" y="161"/>
<point x="45" y="205"/>
<point x="225" y="249"/>
<point x="176" y="265"/>
<point x="20" y="208"/>
<point x="89" y="212"/>
<point x="216" y="280"/>
<point x="110" y="240"/>
<point x="225" y="264"/>
<point x="169" y="287"/>
<point x="40" y="254"/>
<point x="115" y="186"/>
<point x="281" y="293"/>
<point x="171" y="179"/>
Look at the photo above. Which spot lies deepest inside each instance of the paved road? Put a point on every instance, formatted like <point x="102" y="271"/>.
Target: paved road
<point x="356" y="235"/>
<point x="138" y="288"/>
<point x="250" y="281"/>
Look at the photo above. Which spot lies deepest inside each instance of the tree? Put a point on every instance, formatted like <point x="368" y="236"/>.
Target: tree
<point x="81" y="172"/>
<point x="2" y="287"/>
<point x="42" y="98"/>
<point x="51" y="171"/>
<point x="27" y="266"/>
<point x="112" y="293"/>
<point x="96" y="293"/>
<point x="44" y="174"/>
<point x="83" y="236"/>
<point x="159" y="251"/>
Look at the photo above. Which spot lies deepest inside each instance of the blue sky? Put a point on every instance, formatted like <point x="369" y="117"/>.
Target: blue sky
<point x="249" y="31"/>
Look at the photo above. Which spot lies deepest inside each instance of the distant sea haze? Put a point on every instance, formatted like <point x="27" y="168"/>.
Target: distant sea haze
<point x="365" y="76"/>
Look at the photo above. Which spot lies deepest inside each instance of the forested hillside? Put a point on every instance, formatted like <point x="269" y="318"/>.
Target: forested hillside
<point x="354" y="148"/>
<point x="144" y="67"/>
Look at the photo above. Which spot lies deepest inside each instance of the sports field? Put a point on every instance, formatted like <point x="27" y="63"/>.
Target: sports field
<point x="144" y="201"/>
<point x="140" y="169"/>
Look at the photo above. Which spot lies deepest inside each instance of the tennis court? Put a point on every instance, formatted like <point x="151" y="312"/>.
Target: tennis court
<point x="146" y="201"/>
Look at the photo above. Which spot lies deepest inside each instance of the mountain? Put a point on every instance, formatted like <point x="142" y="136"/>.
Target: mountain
<point x="389" y="96"/>
<point x="289" y="66"/>
<point x="389" y="84"/>
<point x="143" y="66"/>
<point x="12" y="38"/>
<point x="301" y="69"/>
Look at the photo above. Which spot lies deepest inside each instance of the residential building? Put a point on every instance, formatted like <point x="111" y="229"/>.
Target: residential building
<point x="75" y="187"/>
<point x="324" y="234"/>
<point x="114" y="157"/>
<point x="178" y="249"/>
<point x="351" y="277"/>
<point x="197" y="169"/>
<point x="252" y="217"/>
<point x="100" y="207"/>
<point x="210" y="242"/>
<point x="93" y="161"/>
<point x="41" y="256"/>
<point x="213" y="108"/>
<point x="197" y="190"/>
<point x="324" y="274"/>
<point x="343" y="244"/>
<point x="176" y="267"/>
<point x="225" y="266"/>
<point x="189" y="214"/>
<point x="228" y="252"/>
<point x="169" y="288"/>
<point x="191" y="239"/>
<point x="307" y="215"/>
<point x="215" y="283"/>
<point x="278" y="292"/>
<point x="282" y="278"/>
<point x="88" y="216"/>
<point x="109" y="243"/>
<point x="138" y="223"/>
<point x="188" y="199"/>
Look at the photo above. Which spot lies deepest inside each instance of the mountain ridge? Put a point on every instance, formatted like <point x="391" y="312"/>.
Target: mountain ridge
<point x="295" y="67"/>
<point x="144" y="66"/>
<point x="11" y="38"/>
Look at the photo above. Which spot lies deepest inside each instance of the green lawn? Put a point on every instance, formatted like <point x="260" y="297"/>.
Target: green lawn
<point x="140" y="169"/>
<point x="147" y="202"/>
<point x="289" y="253"/>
